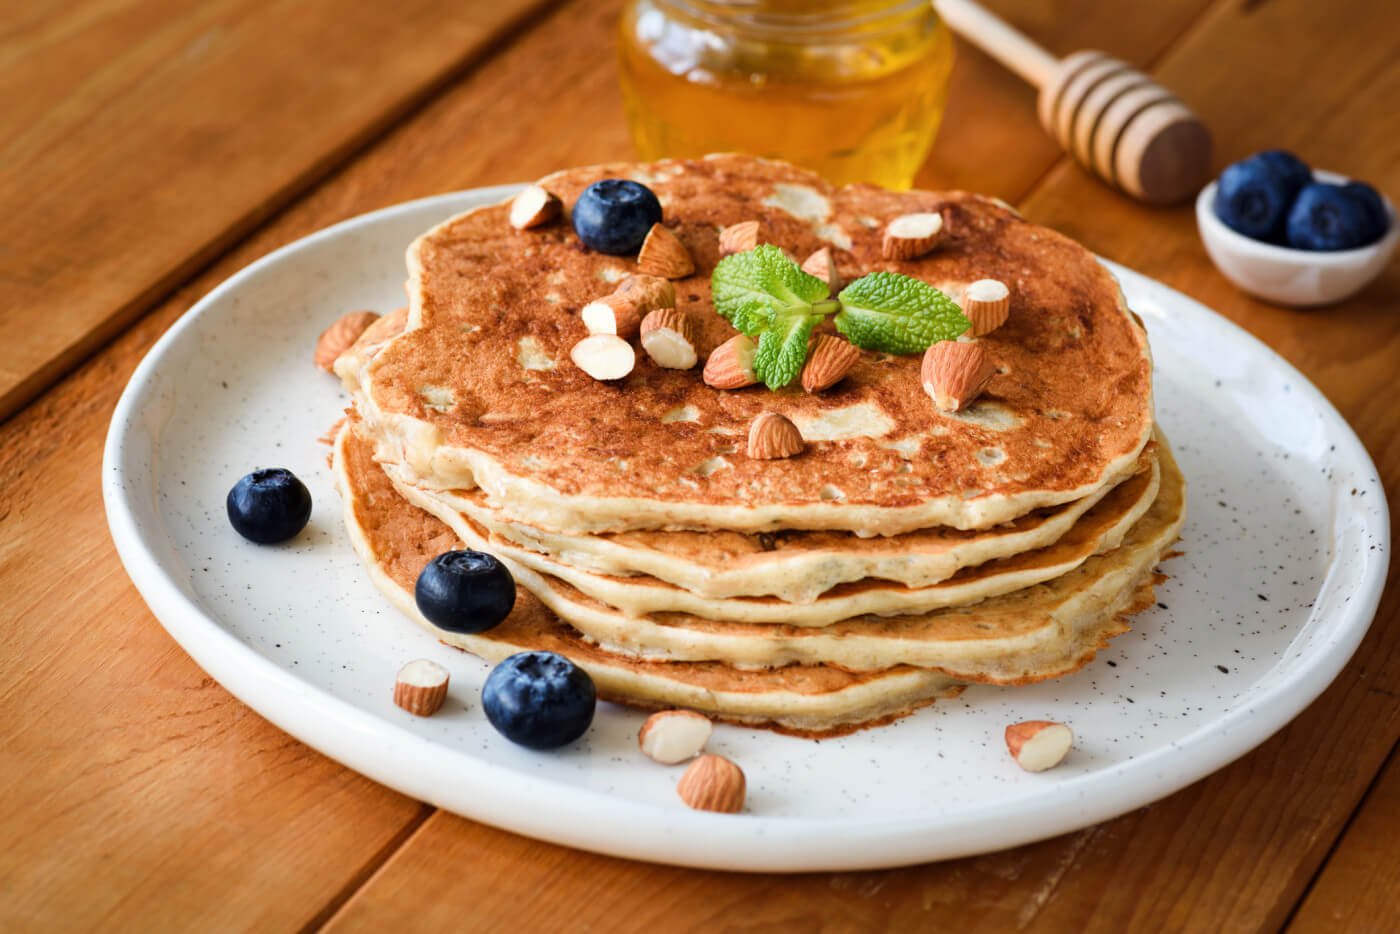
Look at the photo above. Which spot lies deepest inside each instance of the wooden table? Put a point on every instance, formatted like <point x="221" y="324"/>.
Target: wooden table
<point x="150" y="148"/>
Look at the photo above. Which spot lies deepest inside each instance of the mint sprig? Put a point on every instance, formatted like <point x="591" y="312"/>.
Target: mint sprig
<point x="767" y="296"/>
<point x="897" y="314"/>
<point x="753" y="288"/>
<point x="782" y="348"/>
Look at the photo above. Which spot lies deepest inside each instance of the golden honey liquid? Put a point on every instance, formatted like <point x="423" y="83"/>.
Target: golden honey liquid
<point x="854" y="91"/>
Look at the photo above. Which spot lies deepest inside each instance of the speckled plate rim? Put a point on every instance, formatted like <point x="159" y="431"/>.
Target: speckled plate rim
<point x="591" y="820"/>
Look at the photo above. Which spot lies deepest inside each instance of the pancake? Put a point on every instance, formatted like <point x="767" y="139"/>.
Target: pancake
<point x="479" y="390"/>
<point x="795" y="566"/>
<point x="1029" y="635"/>
<point x="395" y="540"/>
<point x="1101" y="529"/>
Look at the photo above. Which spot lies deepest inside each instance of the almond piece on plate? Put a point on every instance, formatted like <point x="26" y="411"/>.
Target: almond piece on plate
<point x="823" y="265"/>
<point x="773" y="437"/>
<point x="337" y="338"/>
<point x="673" y="736"/>
<point x="738" y="238"/>
<point x="534" y="207"/>
<point x="604" y="356"/>
<point x="713" y="783"/>
<point x="664" y="255"/>
<point x="651" y="292"/>
<point x="830" y="360"/>
<point x="668" y="337"/>
<point x="730" y="366"/>
<point x="618" y="314"/>
<point x="1037" y="745"/>
<point x="986" y="303"/>
<point x="910" y="236"/>
<point x="954" y="373"/>
<point x="421" y="687"/>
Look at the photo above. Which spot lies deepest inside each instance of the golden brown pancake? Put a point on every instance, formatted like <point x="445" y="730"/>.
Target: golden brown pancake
<point x="1100" y="529"/>
<point x="396" y="540"/>
<point x="480" y="389"/>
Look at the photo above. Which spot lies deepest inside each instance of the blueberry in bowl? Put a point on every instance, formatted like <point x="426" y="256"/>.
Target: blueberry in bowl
<point x="1373" y="206"/>
<point x="1327" y="217"/>
<point x="539" y="700"/>
<point x="1253" y="198"/>
<point x="1295" y="236"/>
<point x="614" y="215"/>
<point x="269" y="506"/>
<point x="465" y="591"/>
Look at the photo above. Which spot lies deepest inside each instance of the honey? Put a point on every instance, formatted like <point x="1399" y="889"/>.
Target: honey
<point x="852" y="89"/>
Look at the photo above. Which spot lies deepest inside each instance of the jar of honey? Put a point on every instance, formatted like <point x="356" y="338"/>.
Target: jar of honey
<point x="852" y="89"/>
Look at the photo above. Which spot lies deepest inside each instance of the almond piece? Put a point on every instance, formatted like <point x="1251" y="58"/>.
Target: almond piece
<point x="673" y="736"/>
<point x="954" y="373"/>
<point x="910" y="236"/>
<point x="986" y="303"/>
<point x="651" y="292"/>
<point x="668" y="337"/>
<point x="664" y="255"/>
<point x="773" y="437"/>
<point x="730" y="366"/>
<point x="830" y="360"/>
<point x="337" y="338"/>
<point x="386" y="328"/>
<point x="713" y="783"/>
<point x="604" y="356"/>
<point x="738" y="238"/>
<point x="534" y="207"/>
<point x="823" y="265"/>
<point x="421" y="687"/>
<point x="1037" y="745"/>
<point x="616" y="314"/>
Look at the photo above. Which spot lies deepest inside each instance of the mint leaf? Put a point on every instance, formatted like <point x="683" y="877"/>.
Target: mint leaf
<point x="783" y="349"/>
<point x="752" y="289"/>
<point x="890" y="313"/>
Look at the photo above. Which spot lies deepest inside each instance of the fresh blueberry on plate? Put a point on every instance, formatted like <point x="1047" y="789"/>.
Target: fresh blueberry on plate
<point x="614" y="215"/>
<point x="540" y="700"/>
<point x="1372" y="205"/>
<point x="465" y="591"/>
<point x="269" y="506"/>
<point x="1290" y="168"/>
<point x="1326" y="217"/>
<point x="1253" y="199"/>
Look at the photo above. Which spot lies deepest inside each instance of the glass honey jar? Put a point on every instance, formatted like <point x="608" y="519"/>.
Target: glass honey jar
<point x="853" y="89"/>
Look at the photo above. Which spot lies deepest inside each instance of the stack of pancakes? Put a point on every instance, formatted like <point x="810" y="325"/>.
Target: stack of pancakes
<point x="905" y="553"/>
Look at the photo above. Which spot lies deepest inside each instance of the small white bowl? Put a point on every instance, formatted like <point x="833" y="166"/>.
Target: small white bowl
<point x="1285" y="276"/>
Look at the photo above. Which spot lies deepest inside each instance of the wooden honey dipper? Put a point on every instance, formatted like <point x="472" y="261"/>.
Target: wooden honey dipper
<point x="1113" y="119"/>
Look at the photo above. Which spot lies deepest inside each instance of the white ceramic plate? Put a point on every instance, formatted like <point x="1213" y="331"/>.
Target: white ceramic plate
<point x="1285" y="554"/>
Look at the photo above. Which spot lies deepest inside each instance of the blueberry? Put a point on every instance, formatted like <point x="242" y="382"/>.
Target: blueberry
<point x="465" y="591"/>
<point x="539" y="699"/>
<point x="1289" y="167"/>
<point x="1326" y="217"/>
<point x="1253" y="199"/>
<point x="614" y="215"/>
<point x="1377" y="218"/>
<point x="269" y="506"/>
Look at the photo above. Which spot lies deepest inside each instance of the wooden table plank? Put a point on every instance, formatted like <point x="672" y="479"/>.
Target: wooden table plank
<point x="141" y="137"/>
<point x="1359" y="887"/>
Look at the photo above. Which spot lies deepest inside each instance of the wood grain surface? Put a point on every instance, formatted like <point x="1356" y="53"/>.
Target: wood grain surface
<point x="140" y="794"/>
<point x="1360" y="885"/>
<point x="140" y="137"/>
